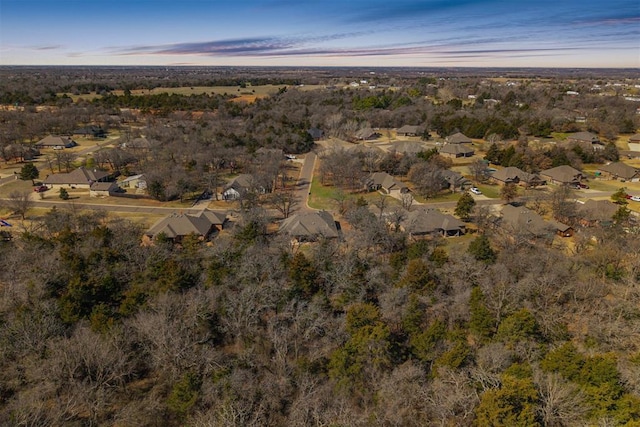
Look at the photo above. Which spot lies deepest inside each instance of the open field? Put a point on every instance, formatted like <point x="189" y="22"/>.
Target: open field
<point x="247" y="92"/>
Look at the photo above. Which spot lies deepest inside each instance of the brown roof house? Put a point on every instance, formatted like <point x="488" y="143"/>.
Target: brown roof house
<point x="523" y="221"/>
<point x="79" y="178"/>
<point x="458" y="138"/>
<point x="385" y="182"/>
<point x="586" y="138"/>
<point x="241" y="185"/>
<point x="514" y="175"/>
<point x="177" y="226"/>
<point x="431" y="222"/>
<point x="56" y="142"/>
<point x="366" y="134"/>
<point x="456" y="150"/>
<point x="564" y="174"/>
<point x="410" y="130"/>
<point x="619" y="170"/>
<point x="104" y="189"/>
<point x="455" y="180"/>
<point x="596" y="212"/>
<point x="310" y="226"/>
<point x="634" y="142"/>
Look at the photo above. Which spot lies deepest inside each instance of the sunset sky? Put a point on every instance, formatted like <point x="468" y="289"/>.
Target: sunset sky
<point x="427" y="33"/>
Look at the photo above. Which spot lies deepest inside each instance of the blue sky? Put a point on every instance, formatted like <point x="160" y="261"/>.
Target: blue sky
<point x="437" y="33"/>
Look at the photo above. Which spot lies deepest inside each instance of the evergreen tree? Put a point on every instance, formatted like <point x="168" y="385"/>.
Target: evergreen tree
<point x="29" y="171"/>
<point x="465" y="206"/>
<point x="481" y="249"/>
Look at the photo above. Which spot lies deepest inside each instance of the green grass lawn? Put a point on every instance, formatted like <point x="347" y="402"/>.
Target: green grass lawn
<point x="490" y="191"/>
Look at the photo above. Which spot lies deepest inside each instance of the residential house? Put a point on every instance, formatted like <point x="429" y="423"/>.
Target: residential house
<point x="316" y="134"/>
<point x="310" y="226"/>
<point x="431" y="222"/>
<point x="410" y="130"/>
<point x="103" y="189"/>
<point x="596" y="212"/>
<point x="79" y="178"/>
<point x="519" y="219"/>
<point x="586" y="138"/>
<point x="385" y="182"/>
<point x="177" y="226"/>
<point x="514" y="175"/>
<point x="366" y="134"/>
<point x="56" y="142"/>
<point x="135" y="181"/>
<point x="240" y="185"/>
<point x="91" y="131"/>
<point x="455" y="180"/>
<point x="619" y="170"/>
<point x="458" y="138"/>
<point x="564" y="174"/>
<point x="456" y="150"/>
<point x="634" y="142"/>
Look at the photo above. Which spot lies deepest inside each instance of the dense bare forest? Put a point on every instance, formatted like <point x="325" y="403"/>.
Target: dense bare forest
<point x="374" y="328"/>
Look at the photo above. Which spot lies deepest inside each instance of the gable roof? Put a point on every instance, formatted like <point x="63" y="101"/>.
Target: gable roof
<point x="80" y="176"/>
<point x="139" y="177"/>
<point x="427" y="221"/>
<point x="597" y="210"/>
<point x="103" y="186"/>
<point x="366" y="133"/>
<point x="385" y="181"/>
<point x="523" y="219"/>
<point x="564" y="174"/>
<point x="310" y="225"/>
<point x="619" y="169"/>
<point x="584" y="137"/>
<point x="458" y="138"/>
<point x="411" y="129"/>
<point x="454" y="178"/>
<point x="241" y="182"/>
<point x="56" y="141"/>
<point x="180" y="225"/>
<point x="514" y="174"/>
<point x="456" y="149"/>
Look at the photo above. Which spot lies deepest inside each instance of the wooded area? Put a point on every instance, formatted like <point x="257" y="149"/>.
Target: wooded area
<point x="374" y="328"/>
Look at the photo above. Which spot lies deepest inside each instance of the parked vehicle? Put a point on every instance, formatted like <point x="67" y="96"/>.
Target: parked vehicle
<point x="475" y="190"/>
<point x="635" y="198"/>
<point x="40" y="188"/>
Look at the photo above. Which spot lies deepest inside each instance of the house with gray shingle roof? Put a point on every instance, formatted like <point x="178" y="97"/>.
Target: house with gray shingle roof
<point x="456" y="150"/>
<point x="383" y="181"/>
<point x="519" y="219"/>
<point x="514" y="175"/>
<point x="366" y="134"/>
<point x="564" y="174"/>
<point x="310" y="226"/>
<point x="458" y="138"/>
<point x="431" y="222"/>
<point x="53" y="141"/>
<point x="410" y="130"/>
<point x="79" y="178"/>
<point x="177" y="226"/>
<point x="586" y="138"/>
<point x="619" y="170"/>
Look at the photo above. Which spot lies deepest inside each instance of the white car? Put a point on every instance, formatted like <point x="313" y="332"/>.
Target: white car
<point x="635" y="198"/>
<point x="475" y="190"/>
